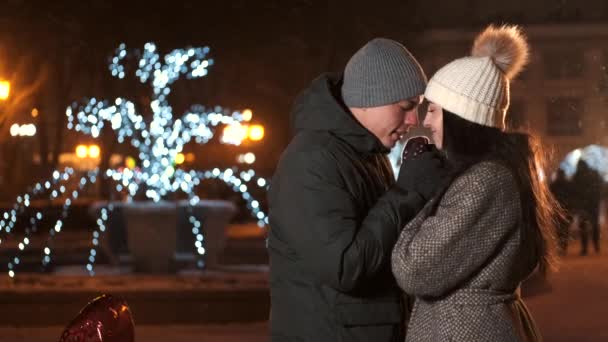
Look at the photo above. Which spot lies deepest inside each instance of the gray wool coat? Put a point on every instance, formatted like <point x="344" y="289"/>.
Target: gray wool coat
<point x="463" y="258"/>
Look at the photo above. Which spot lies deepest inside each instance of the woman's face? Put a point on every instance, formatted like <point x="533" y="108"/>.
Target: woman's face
<point x="433" y="120"/>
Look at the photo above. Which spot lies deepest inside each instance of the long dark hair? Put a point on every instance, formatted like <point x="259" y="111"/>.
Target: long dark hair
<point x="467" y="143"/>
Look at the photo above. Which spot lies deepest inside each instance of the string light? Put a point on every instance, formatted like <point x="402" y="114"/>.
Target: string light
<point x="24" y="202"/>
<point x="238" y="185"/>
<point x="57" y="227"/>
<point x="162" y="140"/>
<point x="101" y="228"/>
<point x="9" y="219"/>
<point x="160" y="144"/>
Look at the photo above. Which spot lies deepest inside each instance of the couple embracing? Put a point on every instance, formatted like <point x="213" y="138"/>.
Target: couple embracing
<point x="435" y="253"/>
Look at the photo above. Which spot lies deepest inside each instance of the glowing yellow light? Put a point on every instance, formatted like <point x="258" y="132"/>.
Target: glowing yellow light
<point x="256" y="132"/>
<point x="247" y="115"/>
<point x="235" y="133"/>
<point x="249" y="158"/>
<point x="180" y="158"/>
<point x="130" y="162"/>
<point x="94" y="151"/>
<point x="5" y="90"/>
<point x="82" y="151"/>
<point x="35" y="112"/>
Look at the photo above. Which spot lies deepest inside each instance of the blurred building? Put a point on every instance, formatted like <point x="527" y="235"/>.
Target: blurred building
<point x="562" y="96"/>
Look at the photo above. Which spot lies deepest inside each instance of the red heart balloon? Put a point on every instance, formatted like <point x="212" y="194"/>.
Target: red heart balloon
<point x="104" y="319"/>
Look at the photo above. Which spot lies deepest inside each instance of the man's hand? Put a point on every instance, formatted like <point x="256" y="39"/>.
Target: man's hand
<point x="425" y="173"/>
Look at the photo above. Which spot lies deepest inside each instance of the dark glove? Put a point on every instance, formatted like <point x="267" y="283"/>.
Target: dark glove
<point x="426" y="172"/>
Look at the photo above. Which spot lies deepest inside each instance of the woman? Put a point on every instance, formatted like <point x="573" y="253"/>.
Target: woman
<point x="465" y="255"/>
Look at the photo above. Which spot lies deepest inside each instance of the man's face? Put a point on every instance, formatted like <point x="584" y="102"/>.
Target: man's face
<point x="389" y="123"/>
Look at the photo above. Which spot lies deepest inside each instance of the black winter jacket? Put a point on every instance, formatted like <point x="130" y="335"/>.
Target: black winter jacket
<point x="335" y="216"/>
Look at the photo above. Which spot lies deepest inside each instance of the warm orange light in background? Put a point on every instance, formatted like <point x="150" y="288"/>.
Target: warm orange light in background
<point x="180" y="158"/>
<point x="94" y="151"/>
<point x="5" y="90"/>
<point x="82" y="151"/>
<point x="237" y="133"/>
<point x="247" y="115"/>
<point x="256" y="132"/>
<point x="234" y="133"/>
<point x="190" y="157"/>
<point x="35" y="112"/>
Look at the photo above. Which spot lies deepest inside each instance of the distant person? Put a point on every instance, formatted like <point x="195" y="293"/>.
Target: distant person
<point x="562" y="190"/>
<point x="587" y="184"/>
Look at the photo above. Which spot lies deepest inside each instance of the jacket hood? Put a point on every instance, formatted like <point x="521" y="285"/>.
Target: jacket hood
<point x="320" y="108"/>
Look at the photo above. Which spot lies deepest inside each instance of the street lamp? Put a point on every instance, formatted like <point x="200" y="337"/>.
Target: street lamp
<point x="5" y="90"/>
<point x="237" y="133"/>
<point x="94" y="151"/>
<point x="28" y="130"/>
<point x="91" y="151"/>
<point x="82" y="151"/>
<point x="88" y="156"/>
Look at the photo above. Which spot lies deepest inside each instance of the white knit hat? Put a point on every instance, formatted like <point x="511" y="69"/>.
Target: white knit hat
<point x="476" y="88"/>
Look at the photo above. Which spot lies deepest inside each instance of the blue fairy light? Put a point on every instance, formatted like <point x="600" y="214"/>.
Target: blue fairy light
<point x="158" y="143"/>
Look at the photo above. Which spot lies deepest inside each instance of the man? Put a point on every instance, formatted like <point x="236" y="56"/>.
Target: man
<point x="562" y="189"/>
<point x="335" y="209"/>
<point x="587" y="184"/>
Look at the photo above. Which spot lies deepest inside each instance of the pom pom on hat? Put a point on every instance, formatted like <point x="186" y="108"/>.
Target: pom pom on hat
<point x="507" y="47"/>
<point x="476" y="87"/>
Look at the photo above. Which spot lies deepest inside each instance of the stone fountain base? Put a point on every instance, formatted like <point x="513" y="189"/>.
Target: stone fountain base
<point x="157" y="236"/>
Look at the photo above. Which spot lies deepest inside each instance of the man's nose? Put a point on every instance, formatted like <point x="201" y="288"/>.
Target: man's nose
<point x="411" y="118"/>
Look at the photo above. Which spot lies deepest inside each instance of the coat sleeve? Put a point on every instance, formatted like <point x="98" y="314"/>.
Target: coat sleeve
<point x="321" y="223"/>
<point x="474" y="218"/>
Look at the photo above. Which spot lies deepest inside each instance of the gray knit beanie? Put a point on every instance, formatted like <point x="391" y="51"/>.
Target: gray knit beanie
<point x="382" y="72"/>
